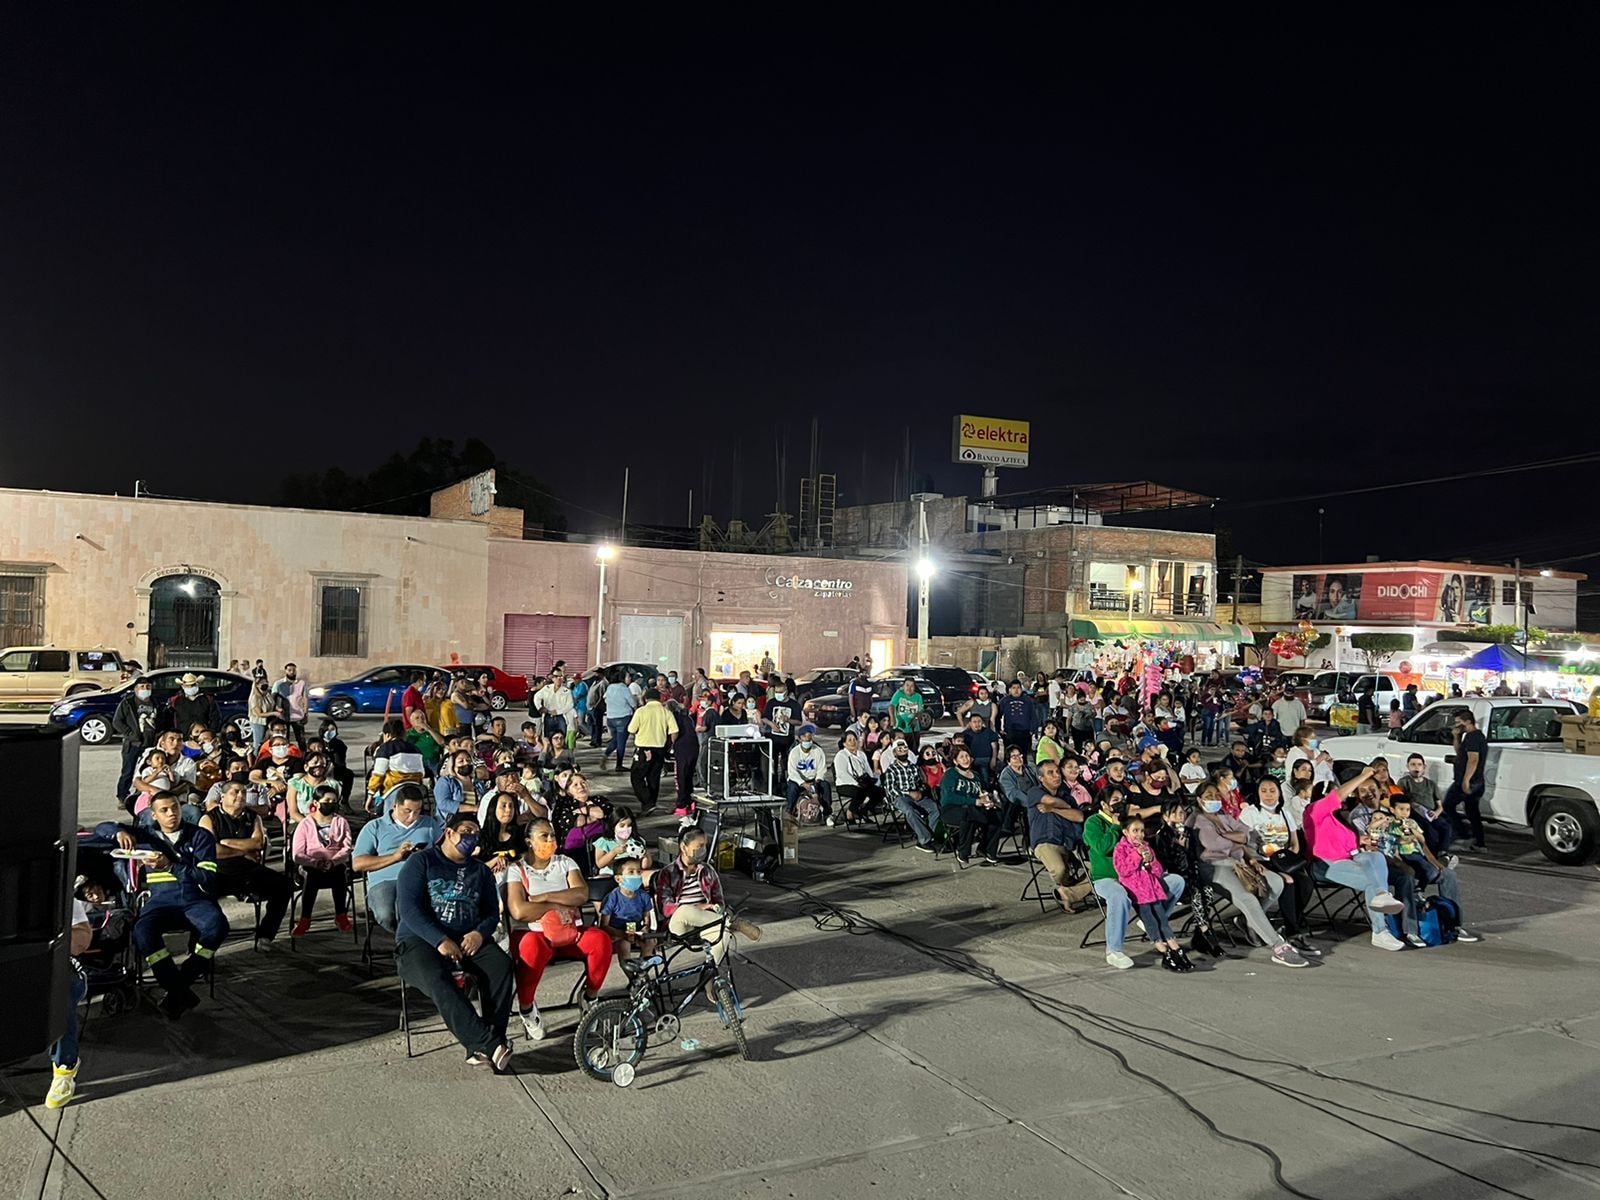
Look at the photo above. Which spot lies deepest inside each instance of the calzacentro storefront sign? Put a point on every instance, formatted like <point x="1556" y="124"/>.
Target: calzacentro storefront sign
<point x="805" y="583"/>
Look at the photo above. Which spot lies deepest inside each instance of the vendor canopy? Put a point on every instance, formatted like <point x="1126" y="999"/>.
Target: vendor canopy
<point x="1104" y="629"/>
<point x="1501" y="658"/>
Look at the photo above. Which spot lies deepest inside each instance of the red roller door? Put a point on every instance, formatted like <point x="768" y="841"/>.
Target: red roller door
<point x="534" y="642"/>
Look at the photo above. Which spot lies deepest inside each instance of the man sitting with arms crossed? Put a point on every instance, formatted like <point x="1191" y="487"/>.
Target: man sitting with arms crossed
<point x="1055" y="828"/>
<point x="180" y="873"/>
<point x="241" y="843"/>
<point x="448" y="915"/>
<point x="384" y="845"/>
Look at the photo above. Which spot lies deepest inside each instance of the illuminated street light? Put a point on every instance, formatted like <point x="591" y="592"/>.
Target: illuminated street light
<point x="603" y="553"/>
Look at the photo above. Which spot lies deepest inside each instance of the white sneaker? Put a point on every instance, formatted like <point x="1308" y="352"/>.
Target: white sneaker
<point x="1413" y="939"/>
<point x="1384" y="902"/>
<point x="1387" y="941"/>
<point x="1452" y="861"/>
<point x="830" y="822"/>
<point x="1118" y="960"/>
<point x="533" y="1025"/>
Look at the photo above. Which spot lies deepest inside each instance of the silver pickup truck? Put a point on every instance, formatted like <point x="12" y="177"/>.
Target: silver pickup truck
<point x="1529" y="779"/>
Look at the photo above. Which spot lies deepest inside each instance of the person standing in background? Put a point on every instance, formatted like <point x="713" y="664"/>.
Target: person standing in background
<point x="293" y="690"/>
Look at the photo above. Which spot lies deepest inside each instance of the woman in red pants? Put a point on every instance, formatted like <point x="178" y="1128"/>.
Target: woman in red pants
<point x="546" y="892"/>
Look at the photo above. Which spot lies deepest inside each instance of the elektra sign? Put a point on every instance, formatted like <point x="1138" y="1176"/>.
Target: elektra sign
<point x="804" y="583"/>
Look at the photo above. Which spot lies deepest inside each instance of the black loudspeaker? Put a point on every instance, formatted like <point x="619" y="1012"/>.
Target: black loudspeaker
<point x="39" y="812"/>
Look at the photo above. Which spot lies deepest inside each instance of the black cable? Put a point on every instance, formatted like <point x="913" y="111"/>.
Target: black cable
<point x="962" y="962"/>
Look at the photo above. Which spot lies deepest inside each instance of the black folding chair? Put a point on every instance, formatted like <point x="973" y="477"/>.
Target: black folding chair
<point x="1034" y="890"/>
<point x="1347" y="908"/>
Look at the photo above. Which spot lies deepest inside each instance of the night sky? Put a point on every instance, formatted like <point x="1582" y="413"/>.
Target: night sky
<point x="1261" y="261"/>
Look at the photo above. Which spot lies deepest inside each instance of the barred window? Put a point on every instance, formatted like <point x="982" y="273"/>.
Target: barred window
<point x="22" y="608"/>
<point x="341" y="629"/>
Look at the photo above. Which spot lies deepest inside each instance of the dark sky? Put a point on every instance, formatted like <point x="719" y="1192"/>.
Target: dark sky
<point x="1258" y="260"/>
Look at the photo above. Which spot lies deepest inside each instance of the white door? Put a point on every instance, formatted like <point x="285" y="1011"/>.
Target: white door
<point x="654" y="640"/>
<point x="882" y="653"/>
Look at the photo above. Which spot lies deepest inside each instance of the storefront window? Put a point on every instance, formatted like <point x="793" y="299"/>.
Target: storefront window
<point x="735" y="650"/>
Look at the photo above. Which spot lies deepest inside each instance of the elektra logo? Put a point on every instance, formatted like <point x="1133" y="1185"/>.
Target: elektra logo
<point x="804" y="583"/>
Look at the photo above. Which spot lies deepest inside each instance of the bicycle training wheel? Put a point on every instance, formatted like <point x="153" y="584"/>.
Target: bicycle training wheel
<point x="608" y="1035"/>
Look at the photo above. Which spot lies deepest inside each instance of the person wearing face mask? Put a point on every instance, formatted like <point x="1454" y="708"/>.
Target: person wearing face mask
<point x="689" y="894"/>
<point x="241" y="846"/>
<point x="453" y="790"/>
<point x="623" y="843"/>
<point x="1304" y="746"/>
<point x="303" y="787"/>
<point x="449" y="911"/>
<point x="237" y="770"/>
<point x="780" y="721"/>
<point x="135" y="722"/>
<point x="192" y="706"/>
<point x="629" y="913"/>
<point x="807" y="773"/>
<point x="262" y="707"/>
<point x="1235" y="866"/>
<point x="384" y="845"/>
<point x="1101" y="833"/>
<point x="322" y="846"/>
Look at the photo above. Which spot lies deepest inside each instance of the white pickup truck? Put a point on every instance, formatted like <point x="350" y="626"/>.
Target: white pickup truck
<point x="1529" y="778"/>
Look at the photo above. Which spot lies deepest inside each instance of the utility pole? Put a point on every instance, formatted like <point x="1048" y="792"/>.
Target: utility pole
<point x="1522" y="605"/>
<point x="1238" y="574"/>
<point x="623" y="540"/>
<point x="924" y="575"/>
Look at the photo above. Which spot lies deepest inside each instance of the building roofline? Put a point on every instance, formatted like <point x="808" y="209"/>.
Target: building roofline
<point x="1423" y="564"/>
<point x="275" y="508"/>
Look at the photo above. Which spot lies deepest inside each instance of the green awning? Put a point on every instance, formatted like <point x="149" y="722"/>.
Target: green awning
<point x="1104" y="629"/>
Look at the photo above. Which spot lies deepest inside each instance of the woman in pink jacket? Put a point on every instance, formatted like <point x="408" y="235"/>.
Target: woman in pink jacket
<point x="322" y="851"/>
<point x="1140" y="873"/>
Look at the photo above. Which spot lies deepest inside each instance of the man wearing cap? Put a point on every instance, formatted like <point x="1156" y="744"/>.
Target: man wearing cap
<point x="904" y="785"/>
<point x="191" y="707"/>
<point x="808" y="772"/>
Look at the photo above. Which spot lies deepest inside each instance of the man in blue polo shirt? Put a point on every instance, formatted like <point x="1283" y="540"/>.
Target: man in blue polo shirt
<point x="384" y="845"/>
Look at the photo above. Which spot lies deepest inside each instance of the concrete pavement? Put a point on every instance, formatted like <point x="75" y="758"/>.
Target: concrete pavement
<point x="918" y="1032"/>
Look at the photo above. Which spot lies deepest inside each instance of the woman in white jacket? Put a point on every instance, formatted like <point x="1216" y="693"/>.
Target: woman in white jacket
<point x="853" y="775"/>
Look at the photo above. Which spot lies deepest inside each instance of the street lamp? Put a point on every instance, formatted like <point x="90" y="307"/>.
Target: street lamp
<point x="925" y="570"/>
<point x="603" y="554"/>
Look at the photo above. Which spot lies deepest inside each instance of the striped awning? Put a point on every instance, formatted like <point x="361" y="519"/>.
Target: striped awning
<point x="1101" y="629"/>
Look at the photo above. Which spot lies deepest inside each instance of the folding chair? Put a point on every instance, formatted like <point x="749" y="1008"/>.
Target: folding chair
<point x="1033" y="889"/>
<point x="1346" y="909"/>
<point x="1089" y="939"/>
<point x="892" y="824"/>
<point x="297" y="895"/>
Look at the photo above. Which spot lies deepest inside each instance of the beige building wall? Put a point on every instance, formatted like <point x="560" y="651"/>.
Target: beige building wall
<point x="425" y="579"/>
<point x="820" y="627"/>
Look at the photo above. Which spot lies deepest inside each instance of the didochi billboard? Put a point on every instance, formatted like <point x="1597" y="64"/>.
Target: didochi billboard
<point x="1445" y="597"/>
<point x="990" y="441"/>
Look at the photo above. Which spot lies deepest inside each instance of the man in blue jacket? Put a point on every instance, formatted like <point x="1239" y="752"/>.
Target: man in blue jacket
<point x="448" y="914"/>
<point x="180" y="874"/>
<point x="1019" y="719"/>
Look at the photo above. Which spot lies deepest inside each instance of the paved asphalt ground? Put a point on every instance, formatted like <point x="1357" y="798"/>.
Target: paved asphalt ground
<point x="949" y="1042"/>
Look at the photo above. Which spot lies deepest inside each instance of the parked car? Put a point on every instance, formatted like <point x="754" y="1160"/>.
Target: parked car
<point x="956" y="685"/>
<point x="614" y="671"/>
<point x="828" y="709"/>
<point x="1529" y="778"/>
<point x="90" y="713"/>
<point x="822" y="681"/>
<point x="39" y="675"/>
<point x="504" y="687"/>
<point x="374" y="691"/>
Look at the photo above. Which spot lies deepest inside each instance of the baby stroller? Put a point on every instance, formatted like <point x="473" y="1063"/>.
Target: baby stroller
<point x="107" y="886"/>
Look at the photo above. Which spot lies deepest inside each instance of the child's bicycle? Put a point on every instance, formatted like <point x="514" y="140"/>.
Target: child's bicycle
<point x="612" y="1036"/>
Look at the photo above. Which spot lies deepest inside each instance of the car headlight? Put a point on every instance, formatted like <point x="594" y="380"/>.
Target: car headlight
<point x="318" y="693"/>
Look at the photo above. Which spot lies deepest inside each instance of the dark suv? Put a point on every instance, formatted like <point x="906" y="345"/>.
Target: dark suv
<point x="956" y="685"/>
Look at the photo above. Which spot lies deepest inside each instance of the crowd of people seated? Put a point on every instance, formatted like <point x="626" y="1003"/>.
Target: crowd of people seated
<point x="480" y="852"/>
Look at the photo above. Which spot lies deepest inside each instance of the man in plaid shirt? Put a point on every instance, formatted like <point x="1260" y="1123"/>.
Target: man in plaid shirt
<point x="907" y="791"/>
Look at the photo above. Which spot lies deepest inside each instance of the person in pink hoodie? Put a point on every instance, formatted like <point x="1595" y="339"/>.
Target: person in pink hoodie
<point x="1140" y="872"/>
<point x="322" y="850"/>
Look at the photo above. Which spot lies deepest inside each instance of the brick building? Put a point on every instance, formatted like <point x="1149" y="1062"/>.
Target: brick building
<point x="1088" y="563"/>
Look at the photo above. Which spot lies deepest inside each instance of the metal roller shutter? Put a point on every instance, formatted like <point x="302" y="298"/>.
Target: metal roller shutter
<point x="534" y="641"/>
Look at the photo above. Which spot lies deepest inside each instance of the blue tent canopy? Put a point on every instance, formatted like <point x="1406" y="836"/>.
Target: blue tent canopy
<point x="1501" y="658"/>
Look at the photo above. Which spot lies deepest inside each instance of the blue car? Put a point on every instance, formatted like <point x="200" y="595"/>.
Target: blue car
<point x="90" y="713"/>
<point x="372" y="692"/>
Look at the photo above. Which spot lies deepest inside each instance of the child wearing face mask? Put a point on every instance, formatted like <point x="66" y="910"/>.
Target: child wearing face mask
<point x="622" y="844"/>
<point x="322" y="846"/>
<point x="629" y="912"/>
